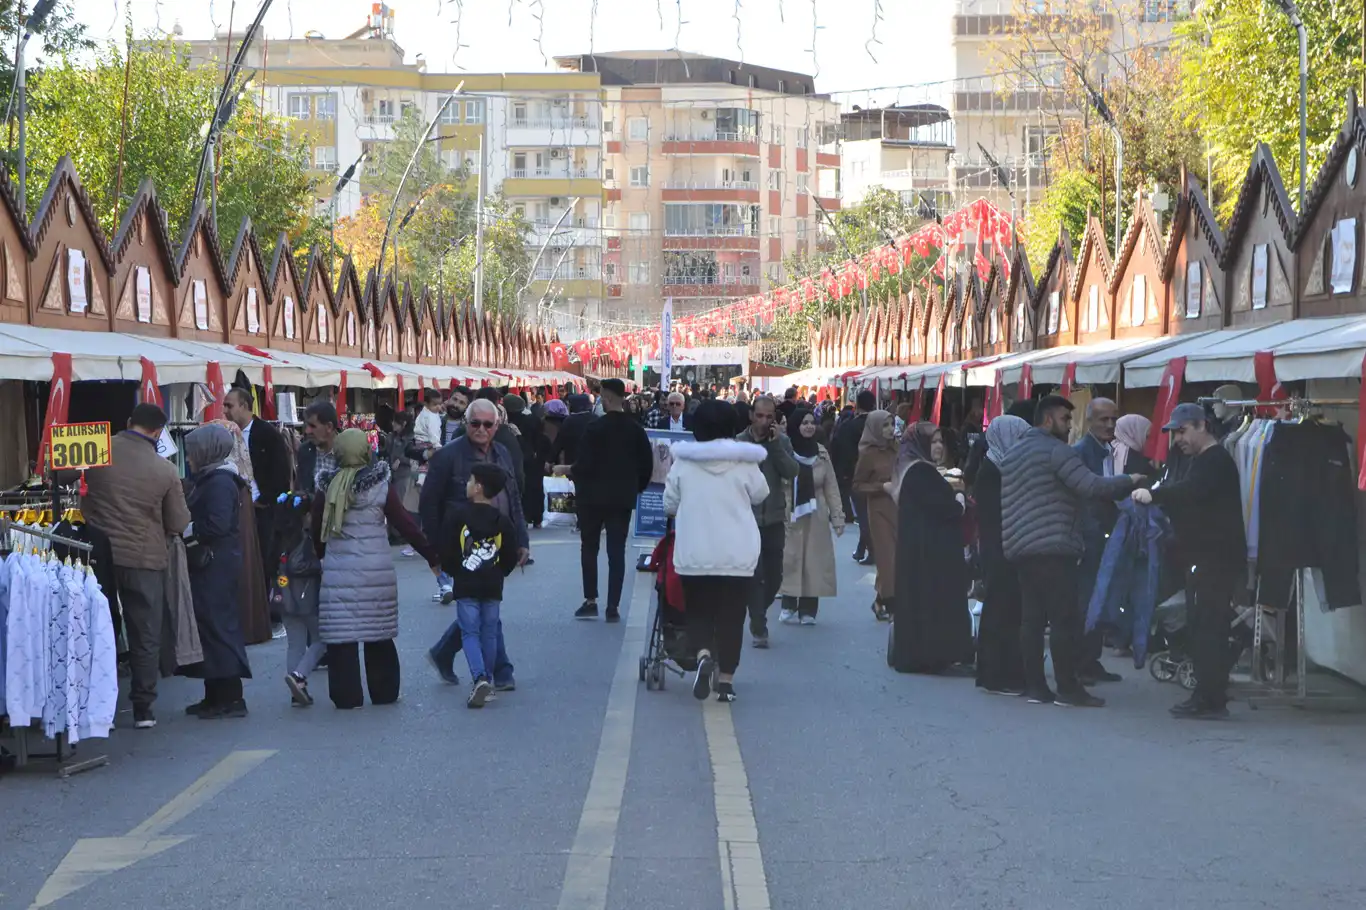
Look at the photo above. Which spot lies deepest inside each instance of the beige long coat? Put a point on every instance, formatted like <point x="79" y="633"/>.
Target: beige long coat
<point x="809" y="548"/>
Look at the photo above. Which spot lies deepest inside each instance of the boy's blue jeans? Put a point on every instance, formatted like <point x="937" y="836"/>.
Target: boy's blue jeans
<point x="478" y="621"/>
<point x="452" y="640"/>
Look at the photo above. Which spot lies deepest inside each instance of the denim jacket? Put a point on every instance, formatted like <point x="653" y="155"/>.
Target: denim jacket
<point x="1130" y="569"/>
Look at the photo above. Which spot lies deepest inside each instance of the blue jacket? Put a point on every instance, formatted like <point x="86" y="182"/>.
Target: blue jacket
<point x="1130" y="569"/>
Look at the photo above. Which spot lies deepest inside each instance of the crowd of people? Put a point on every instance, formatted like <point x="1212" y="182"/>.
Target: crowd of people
<point x="297" y="542"/>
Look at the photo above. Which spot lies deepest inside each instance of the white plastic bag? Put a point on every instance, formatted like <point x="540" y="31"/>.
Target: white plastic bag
<point x="559" y="503"/>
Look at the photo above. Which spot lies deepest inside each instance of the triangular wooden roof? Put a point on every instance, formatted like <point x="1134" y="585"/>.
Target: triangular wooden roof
<point x="1190" y="201"/>
<point x="1140" y="219"/>
<point x="145" y="201"/>
<point x="1261" y="172"/>
<point x="65" y="172"/>
<point x="1092" y="244"/>
<point x="1351" y="134"/>
<point x="200" y="221"/>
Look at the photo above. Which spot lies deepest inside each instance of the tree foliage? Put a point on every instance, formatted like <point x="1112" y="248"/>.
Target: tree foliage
<point x="78" y="110"/>
<point x="436" y="247"/>
<point x="1072" y="194"/>
<point x="1240" y="82"/>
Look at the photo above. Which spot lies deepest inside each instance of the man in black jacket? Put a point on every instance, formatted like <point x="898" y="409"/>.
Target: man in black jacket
<point x="270" y="476"/>
<point x="565" y="451"/>
<point x="844" y="456"/>
<point x="613" y="467"/>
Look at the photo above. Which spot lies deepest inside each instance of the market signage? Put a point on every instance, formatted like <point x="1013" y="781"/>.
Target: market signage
<point x="77" y="446"/>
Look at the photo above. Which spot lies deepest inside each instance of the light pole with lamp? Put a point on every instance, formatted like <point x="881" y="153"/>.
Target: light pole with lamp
<point x="31" y="25"/>
<point x="1103" y="111"/>
<point x="1292" y="12"/>
<point x="336" y="192"/>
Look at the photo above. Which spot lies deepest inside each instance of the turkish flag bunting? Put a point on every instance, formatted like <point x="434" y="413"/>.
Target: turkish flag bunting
<point x="1168" y="395"/>
<point x="58" y="402"/>
<point x="149" y="388"/>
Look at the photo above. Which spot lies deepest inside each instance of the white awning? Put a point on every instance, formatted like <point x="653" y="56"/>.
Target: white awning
<point x="1304" y="348"/>
<point x="1096" y="364"/>
<point x="108" y="355"/>
<point x="984" y="373"/>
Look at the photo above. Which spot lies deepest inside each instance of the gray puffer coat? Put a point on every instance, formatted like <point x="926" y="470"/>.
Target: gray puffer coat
<point x="359" y="596"/>
<point x="1043" y="481"/>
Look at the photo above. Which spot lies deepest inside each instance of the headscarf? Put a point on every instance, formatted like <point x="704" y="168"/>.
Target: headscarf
<point x="352" y="451"/>
<point x="208" y="448"/>
<point x="1131" y="435"/>
<point x="240" y="459"/>
<point x="872" y="437"/>
<point x="713" y="420"/>
<point x="1002" y="434"/>
<point x="556" y="409"/>
<point x="514" y="404"/>
<point x="915" y="444"/>
<point x="806" y="450"/>
<point x="579" y="403"/>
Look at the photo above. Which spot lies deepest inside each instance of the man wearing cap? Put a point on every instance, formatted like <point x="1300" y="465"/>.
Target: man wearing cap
<point x="1044" y="483"/>
<point x="613" y="467"/>
<point x="1206" y="512"/>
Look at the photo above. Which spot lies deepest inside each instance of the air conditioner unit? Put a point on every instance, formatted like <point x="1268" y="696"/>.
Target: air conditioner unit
<point x="554" y="200"/>
<point x="557" y="153"/>
<point x="706" y="115"/>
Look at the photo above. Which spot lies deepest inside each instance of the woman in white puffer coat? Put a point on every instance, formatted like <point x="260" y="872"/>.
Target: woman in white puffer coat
<point x="711" y="491"/>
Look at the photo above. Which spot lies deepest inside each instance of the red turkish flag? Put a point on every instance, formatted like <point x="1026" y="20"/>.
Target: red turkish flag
<point x="213" y="378"/>
<point x="1268" y="387"/>
<point x="1168" y="395"/>
<point x="938" y="411"/>
<point x="268" y="393"/>
<point x="58" y="402"/>
<point x="1026" y="382"/>
<point x="1069" y="379"/>
<point x="149" y="389"/>
<point x="341" y="395"/>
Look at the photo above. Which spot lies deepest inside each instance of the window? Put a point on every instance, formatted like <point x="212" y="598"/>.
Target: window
<point x="775" y="226"/>
<point x="640" y="176"/>
<point x="639" y="272"/>
<point x="782" y="86"/>
<point x="474" y="111"/>
<point x="746" y="270"/>
<point x="775" y="180"/>
<point x="609" y="175"/>
<point x="385" y="110"/>
<point x="803" y="183"/>
<point x="406" y="107"/>
<point x="609" y="272"/>
<point x="803" y="137"/>
<point x="775" y="134"/>
<point x="326" y="106"/>
<point x="1037" y="139"/>
<point x="298" y="106"/>
<point x="638" y="129"/>
<point x="325" y="157"/>
<point x="802" y="228"/>
<point x="710" y="219"/>
<point x="609" y="220"/>
<point x="608" y="126"/>
<point x="1043" y="69"/>
<point x="519" y="113"/>
<point x="450" y="113"/>
<point x="640" y="222"/>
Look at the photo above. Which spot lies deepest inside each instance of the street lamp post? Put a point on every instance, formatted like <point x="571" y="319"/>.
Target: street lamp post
<point x="1103" y="110"/>
<point x="1292" y="12"/>
<point x="336" y="192"/>
<point x="31" y="25"/>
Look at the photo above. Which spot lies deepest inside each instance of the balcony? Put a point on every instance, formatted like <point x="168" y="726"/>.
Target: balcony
<point x="717" y="238"/>
<point x="557" y="180"/>
<point x="567" y="273"/>
<point x="704" y="142"/>
<point x="711" y="191"/>
<point x="552" y="131"/>
<point x="710" y="285"/>
<point x="552" y="173"/>
<point x="373" y="119"/>
<point x="989" y="95"/>
<point x="586" y="233"/>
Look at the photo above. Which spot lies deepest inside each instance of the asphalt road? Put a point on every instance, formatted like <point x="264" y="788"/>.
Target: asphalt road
<point x="832" y="783"/>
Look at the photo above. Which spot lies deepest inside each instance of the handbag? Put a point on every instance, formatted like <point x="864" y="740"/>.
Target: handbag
<point x="198" y="555"/>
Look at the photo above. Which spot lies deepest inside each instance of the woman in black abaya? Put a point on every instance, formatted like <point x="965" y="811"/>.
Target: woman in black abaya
<point x="931" y="628"/>
<point x="1000" y="668"/>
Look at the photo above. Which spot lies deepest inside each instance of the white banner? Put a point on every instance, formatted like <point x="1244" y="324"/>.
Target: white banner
<point x="736" y="355"/>
<point x="75" y="280"/>
<point x="1344" y="255"/>
<point x="666" y="342"/>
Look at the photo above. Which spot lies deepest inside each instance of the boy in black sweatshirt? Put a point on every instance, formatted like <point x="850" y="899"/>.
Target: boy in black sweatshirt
<point x="482" y="552"/>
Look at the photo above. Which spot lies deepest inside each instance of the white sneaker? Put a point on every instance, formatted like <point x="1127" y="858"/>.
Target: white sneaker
<point x="787" y="616"/>
<point x="808" y="620"/>
<point x="408" y="553"/>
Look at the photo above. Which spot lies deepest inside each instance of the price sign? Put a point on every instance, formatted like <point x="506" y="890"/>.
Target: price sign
<point x="79" y="446"/>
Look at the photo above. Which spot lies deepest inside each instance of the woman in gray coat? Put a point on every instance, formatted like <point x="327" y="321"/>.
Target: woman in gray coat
<point x="358" y="600"/>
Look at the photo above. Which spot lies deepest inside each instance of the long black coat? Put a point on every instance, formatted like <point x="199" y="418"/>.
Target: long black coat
<point x="931" y="627"/>
<point x="215" y="502"/>
<point x="999" y="664"/>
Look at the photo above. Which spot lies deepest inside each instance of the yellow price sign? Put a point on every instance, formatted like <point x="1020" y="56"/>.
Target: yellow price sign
<point x="77" y="446"/>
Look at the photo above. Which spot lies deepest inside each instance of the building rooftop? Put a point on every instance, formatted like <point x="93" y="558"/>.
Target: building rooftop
<point x="675" y="67"/>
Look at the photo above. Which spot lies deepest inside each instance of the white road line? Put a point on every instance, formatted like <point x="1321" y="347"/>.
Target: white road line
<point x="743" y="878"/>
<point x="589" y="871"/>
<point x="94" y="857"/>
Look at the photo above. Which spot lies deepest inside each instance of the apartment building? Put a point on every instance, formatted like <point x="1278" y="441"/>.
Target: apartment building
<point x="904" y="149"/>
<point x="713" y="172"/>
<point x="535" y="137"/>
<point x="1014" y="115"/>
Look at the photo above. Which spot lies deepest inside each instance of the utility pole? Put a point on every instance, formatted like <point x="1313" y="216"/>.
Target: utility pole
<point x="332" y="225"/>
<point x="123" y="113"/>
<point x="1292" y="12"/>
<point x="479" y="223"/>
<point x="31" y="25"/>
<point x="1103" y="110"/>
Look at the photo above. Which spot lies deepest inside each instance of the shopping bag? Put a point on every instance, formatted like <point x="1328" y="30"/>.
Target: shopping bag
<point x="559" y="503"/>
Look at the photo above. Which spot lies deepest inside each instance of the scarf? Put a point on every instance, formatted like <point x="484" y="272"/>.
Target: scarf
<point x="352" y="452"/>
<point x="1002" y="434"/>
<point x="872" y="437"/>
<point x="240" y="457"/>
<point x="806" y="450"/>
<point x="915" y="445"/>
<point x="208" y="448"/>
<point x="1131" y="435"/>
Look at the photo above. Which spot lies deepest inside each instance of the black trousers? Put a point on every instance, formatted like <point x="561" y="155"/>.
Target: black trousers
<point x="270" y="559"/>
<point x="381" y="673"/>
<point x="768" y="576"/>
<point x="1091" y="645"/>
<point x="846" y="485"/>
<point x="716" y="616"/>
<point x="865" y="538"/>
<point x="592" y="520"/>
<point x="1209" y="592"/>
<point x="802" y="606"/>
<point x="1048" y="597"/>
<point x="223" y="691"/>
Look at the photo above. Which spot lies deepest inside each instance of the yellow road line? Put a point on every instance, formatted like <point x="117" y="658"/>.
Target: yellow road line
<point x="589" y="871"/>
<point x="219" y="778"/>
<point x="742" y="863"/>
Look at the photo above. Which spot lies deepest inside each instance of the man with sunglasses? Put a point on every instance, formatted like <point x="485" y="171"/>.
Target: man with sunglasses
<point x="448" y="473"/>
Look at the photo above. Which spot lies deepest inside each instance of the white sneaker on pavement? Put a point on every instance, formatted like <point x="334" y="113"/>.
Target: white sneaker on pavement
<point x="787" y="616"/>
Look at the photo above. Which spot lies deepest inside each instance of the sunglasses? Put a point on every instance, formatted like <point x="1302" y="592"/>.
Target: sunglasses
<point x="480" y="424"/>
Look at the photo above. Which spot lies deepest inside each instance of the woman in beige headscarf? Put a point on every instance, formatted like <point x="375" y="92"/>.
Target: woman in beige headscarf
<point x="251" y="589"/>
<point x="873" y="472"/>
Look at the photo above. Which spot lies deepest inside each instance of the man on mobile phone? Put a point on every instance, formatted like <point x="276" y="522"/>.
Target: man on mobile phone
<point x="778" y="468"/>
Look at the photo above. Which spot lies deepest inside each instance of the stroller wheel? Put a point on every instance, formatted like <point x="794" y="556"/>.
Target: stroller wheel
<point x="1161" y="668"/>
<point x="657" y="676"/>
<point x="1186" y="675"/>
<point x="644" y="668"/>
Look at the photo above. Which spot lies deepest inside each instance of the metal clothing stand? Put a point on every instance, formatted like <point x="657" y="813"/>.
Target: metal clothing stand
<point x="1274" y="693"/>
<point x="20" y="736"/>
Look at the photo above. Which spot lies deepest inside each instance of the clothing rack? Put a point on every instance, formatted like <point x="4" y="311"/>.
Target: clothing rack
<point x="20" y="735"/>
<point x="1274" y="693"/>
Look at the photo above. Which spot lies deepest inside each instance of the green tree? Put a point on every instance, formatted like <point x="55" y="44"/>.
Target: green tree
<point x="78" y="110"/>
<point x="59" y="36"/>
<point x="1070" y="196"/>
<point x="436" y="247"/>
<point x="1240" y="82"/>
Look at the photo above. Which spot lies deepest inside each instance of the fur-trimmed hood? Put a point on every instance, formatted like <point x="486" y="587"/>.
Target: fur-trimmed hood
<point x="720" y="454"/>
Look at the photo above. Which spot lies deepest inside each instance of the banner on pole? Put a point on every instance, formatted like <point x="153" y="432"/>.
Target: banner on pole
<point x="666" y="343"/>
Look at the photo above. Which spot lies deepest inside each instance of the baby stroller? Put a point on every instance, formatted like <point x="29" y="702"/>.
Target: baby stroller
<point x="1169" y="650"/>
<point x="666" y="648"/>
